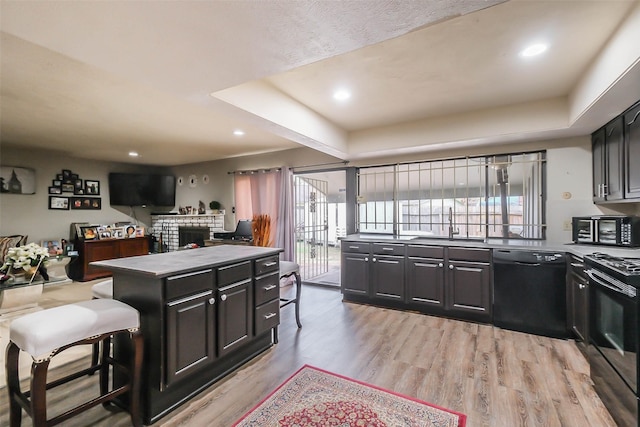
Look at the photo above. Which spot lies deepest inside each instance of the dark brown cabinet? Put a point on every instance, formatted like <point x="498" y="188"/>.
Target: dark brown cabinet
<point x="608" y="162"/>
<point x="99" y="250"/>
<point x="235" y="305"/>
<point x="632" y="152"/>
<point x="469" y="290"/>
<point x="373" y="270"/>
<point x="191" y="325"/>
<point x="197" y="309"/>
<point x="578" y="302"/>
<point x="355" y="268"/>
<point x="425" y="276"/>
<point x="387" y="271"/>
<point x="616" y="158"/>
<point x="267" y="295"/>
<point x="450" y="281"/>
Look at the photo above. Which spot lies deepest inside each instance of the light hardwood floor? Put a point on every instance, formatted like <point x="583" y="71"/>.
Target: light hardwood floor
<point x="497" y="377"/>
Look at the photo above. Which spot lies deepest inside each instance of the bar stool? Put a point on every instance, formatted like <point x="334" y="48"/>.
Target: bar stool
<point x="46" y="333"/>
<point x="288" y="269"/>
<point x="100" y="290"/>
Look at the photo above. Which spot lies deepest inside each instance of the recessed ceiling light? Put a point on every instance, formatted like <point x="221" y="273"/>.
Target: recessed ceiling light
<point x="238" y="132"/>
<point x="533" y="50"/>
<point x="341" y="95"/>
<point x="133" y="154"/>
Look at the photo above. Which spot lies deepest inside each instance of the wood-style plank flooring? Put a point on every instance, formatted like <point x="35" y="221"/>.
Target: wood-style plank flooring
<point x="496" y="377"/>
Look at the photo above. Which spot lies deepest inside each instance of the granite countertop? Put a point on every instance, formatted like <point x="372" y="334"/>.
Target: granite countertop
<point x="516" y="244"/>
<point x="171" y="263"/>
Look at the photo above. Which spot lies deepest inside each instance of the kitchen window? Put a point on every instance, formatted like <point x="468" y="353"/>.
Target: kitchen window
<point x="470" y="198"/>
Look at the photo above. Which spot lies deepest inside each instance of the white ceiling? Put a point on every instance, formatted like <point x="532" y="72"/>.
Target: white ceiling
<point x="172" y="80"/>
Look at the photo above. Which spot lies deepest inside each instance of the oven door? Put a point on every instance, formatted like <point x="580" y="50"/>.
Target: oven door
<point x="608" y="230"/>
<point x="583" y="230"/>
<point x="613" y="321"/>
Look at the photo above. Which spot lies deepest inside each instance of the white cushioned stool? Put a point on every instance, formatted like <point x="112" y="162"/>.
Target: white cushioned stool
<point x="46" y="333"/>
<point x="102" y="290"/>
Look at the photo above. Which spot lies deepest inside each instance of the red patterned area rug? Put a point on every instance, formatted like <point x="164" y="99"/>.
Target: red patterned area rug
<point x="313" y="397"/>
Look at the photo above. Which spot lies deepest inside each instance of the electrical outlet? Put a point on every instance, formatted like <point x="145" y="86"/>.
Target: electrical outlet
<point x="566" y="225"/>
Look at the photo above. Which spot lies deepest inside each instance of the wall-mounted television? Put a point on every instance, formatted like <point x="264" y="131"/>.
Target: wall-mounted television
<point x="133" y="189"/>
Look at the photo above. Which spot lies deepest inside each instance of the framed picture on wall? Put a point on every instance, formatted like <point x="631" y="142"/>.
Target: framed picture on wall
<point x="61" y="203"/>
<point x="55" y="190"/>
<point x="17" y="180"/>
<point x="91" y="187"/>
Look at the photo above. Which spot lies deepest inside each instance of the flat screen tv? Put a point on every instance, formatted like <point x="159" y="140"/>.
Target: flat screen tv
<point x="132" y="189"/>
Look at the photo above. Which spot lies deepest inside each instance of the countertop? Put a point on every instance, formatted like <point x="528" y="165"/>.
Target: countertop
<point x="171" y="263"/>
<point x="515" y="244"/>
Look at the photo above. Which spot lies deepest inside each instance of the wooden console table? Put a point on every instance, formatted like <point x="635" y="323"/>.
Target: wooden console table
<point x="99" y="250"/>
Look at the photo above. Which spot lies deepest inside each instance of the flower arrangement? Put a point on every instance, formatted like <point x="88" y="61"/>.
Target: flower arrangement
<point x="25" y="256"/>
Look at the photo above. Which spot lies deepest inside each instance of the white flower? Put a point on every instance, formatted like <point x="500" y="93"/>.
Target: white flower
<point x="25" y="256"/>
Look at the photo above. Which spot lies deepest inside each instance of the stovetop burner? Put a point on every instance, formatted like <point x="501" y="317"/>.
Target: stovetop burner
<point x="625" y="269"/>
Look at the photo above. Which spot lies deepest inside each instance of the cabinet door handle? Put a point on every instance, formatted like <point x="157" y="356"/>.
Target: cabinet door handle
<point x="373" y="259"/>
<point x="451" y="267"/>
<point x="269" y="316"/>
<point x="581" y="286"/>
<point x="212" y="301"/>
<point x="223" y="297"/>
<point x="387" y="249"/>
<point x="268" y="288"/>
<point x="440" y="265"/>
<point x="634" y="119"/>
<point x="270" y="264"/>
<point x="366" y="258"/>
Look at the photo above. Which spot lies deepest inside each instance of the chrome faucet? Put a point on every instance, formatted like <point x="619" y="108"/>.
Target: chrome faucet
<point x="451" y="230"/>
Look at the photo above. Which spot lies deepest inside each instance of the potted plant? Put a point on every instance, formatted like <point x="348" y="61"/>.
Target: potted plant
<point x="215" y="207"/>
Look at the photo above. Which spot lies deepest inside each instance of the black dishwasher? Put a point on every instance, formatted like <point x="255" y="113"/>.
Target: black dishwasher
<point x="529" y="292"/>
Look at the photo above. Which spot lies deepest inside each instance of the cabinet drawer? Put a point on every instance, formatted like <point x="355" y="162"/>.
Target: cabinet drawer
<point x="425" y="251"/>
<point x="267" y="288"/>
<point x="387" y="249"/>
<point x="189" y="284"/>
<point x="356" y="247"/>
<point x="266" y="265"/>
<point x="234" y="273"/>
<point x="267" y="316"/>
<point x="470" y="254"/>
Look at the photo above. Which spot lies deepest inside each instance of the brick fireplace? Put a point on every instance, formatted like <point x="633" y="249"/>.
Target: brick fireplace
<point x="170" y="225"/>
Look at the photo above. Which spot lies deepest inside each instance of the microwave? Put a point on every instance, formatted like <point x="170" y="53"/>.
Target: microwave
<point x="607" y="230"/>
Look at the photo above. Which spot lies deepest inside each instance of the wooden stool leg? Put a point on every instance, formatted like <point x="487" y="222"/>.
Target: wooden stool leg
<point x="39" y="392"/>
<point x="298" y="289"/>
<point x="104" y="368"/>
<point x="13" y="384"/>
<point x="95" y="352"/>
<point x="136" y="377"/>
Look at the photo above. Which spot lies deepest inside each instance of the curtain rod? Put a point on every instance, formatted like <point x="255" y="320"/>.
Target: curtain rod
<point x="254" y="171"/>
<point x="267" y="170"/>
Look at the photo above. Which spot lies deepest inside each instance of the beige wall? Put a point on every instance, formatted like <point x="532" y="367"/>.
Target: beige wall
<point x="568" y="171"/>
<point x="30" y="215"/>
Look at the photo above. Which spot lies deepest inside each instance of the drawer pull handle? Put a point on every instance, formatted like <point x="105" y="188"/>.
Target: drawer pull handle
<point x="440" y="265"/>
<point x="269" y="316"/>
<point x="387" y="249"/>
<point x="268" y="288"/>
<point x="223" y="297"/>
<point x="451" y="267"/>
<point x="212" y="301"/>
<point x="270" y="264"/>
<point x="354" y="247"/>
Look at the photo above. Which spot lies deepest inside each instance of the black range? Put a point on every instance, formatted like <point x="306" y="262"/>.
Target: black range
<point x="614" y="323"/>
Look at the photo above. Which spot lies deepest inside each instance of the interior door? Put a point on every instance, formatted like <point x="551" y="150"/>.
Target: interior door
<point x="311" y="217"/>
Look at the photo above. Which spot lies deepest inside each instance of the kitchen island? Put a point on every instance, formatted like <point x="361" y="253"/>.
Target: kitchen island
<point x="203" y="313"/>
